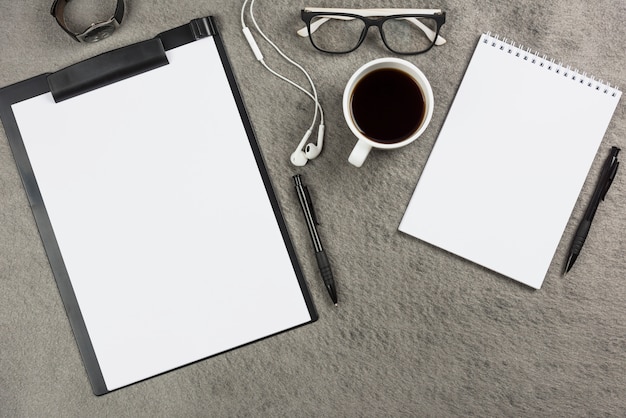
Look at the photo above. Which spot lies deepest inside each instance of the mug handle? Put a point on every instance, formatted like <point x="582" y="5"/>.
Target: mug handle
<point x="359" y="153"/>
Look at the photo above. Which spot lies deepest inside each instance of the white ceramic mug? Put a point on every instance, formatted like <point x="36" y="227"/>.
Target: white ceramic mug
<point x="365" y="144"/>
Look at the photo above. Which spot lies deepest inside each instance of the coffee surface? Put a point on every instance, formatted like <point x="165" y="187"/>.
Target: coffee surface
<point x="387" y="105"/>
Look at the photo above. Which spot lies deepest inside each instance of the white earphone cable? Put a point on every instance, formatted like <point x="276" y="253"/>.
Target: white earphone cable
<point x="313" y="96"/>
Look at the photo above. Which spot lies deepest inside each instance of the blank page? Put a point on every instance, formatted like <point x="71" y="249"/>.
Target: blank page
<point x="510" y="161"/>
<point x="162" y="217"/>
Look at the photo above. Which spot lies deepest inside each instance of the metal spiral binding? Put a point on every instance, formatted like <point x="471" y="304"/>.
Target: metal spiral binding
<point x="527" y="54"/>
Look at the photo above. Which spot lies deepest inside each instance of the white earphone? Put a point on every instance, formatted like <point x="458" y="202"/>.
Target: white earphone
<point x="304" y="152"/>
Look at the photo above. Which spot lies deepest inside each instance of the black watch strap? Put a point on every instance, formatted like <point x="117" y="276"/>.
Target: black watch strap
<point x="58" y="11"/>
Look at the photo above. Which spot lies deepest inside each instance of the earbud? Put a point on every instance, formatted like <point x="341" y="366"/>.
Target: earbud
<point x="313" y="150"/>
<point x="300" y="157"/>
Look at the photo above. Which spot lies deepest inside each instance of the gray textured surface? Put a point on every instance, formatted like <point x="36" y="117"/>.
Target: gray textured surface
<point x="418" y="332"/>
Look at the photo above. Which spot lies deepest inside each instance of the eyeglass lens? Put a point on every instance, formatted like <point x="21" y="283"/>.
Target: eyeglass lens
<point x="405" y="35"/>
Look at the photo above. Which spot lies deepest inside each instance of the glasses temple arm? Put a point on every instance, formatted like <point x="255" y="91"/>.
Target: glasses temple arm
<point x="304" y="32"/>
<point x="430" y="34"/>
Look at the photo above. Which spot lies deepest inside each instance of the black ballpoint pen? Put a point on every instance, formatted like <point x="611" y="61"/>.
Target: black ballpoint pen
<point x="311" y="222"/>
<point x="606" y="178"/>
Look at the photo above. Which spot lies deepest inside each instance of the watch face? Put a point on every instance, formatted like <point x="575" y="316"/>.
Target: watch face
<point x="98" y="32"/>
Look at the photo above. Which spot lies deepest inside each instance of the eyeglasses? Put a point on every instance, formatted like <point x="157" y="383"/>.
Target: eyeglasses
<point x="403" y="31"/>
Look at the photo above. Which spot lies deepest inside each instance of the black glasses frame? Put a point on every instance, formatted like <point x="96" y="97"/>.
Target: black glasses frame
<point x="439" y="18"/>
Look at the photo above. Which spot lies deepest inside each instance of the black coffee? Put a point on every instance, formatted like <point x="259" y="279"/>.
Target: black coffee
<point x="387" y="105"/>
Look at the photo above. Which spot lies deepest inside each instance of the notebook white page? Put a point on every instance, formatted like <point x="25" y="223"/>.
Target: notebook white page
<point x="162" y="218"/>
<point x="509" y="163"/>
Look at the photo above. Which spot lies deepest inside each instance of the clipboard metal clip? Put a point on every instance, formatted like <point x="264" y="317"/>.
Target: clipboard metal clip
<point x="202" y="27"/>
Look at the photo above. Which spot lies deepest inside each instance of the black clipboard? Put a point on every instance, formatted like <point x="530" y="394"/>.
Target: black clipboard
<point x="112" y="68"/>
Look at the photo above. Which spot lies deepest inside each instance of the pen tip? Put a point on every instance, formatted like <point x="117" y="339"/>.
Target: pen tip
<point x="336" y="304"/>
<point x="570" y="263"/>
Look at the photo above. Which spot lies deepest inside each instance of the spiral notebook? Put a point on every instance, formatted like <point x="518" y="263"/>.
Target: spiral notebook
<point x="510" y="161"/>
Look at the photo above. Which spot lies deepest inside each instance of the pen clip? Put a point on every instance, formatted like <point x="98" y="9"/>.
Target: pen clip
<point x="310" y="203"/>
<point x="610" y="179"/>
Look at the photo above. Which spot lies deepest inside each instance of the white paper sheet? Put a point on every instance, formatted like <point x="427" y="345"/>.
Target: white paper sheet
<point x="162" y="218"/>
<point x="510" y="161"/>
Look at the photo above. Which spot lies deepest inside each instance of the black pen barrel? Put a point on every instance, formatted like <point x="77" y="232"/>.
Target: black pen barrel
<point x="581" y="236"/>
<point x="606" y="178"/>
<point x="607" y="174"/>
<point x="320" y="255"/>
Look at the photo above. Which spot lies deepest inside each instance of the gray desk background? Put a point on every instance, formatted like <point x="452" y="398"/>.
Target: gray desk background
<point x="418" y="332"/>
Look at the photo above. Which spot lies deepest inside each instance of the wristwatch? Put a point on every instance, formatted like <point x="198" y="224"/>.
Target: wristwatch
<point x="96" y="31"/>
